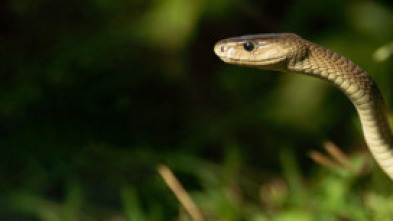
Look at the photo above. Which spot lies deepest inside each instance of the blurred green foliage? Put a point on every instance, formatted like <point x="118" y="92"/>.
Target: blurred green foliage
<point x="95" y="94"/>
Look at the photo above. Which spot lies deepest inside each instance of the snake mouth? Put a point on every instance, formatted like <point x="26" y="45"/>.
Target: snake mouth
<point x="239" y="61"/>
<point x="254" y="61"/>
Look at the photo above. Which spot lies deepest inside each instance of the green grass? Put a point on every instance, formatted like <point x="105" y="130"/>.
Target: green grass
<point x="229" y="191"/>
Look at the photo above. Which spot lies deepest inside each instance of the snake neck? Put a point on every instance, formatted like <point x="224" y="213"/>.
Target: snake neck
<point x="361" y="90"/>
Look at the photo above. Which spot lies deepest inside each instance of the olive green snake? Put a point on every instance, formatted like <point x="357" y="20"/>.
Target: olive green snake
<point x="291" y="53"/>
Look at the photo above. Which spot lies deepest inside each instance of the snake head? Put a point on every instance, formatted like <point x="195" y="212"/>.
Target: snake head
<point x="266" y="51"/>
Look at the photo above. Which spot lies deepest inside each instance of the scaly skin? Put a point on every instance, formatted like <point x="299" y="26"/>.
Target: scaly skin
<point x="289" y="52"/>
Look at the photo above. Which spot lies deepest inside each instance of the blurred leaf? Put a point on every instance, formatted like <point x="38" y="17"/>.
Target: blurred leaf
<point x="170" y="23"/>
<point x="294" y="215"/>
<point x="31" y="204"/>
<point x="293" y="177"/>
<point x="372" y="18"/>
<point x="383" y="53"/>
<point x="132" y="205"/>
<point x="73" y="203"/>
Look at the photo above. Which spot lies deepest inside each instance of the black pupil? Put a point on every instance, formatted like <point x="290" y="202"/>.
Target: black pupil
<point x="248" y="46"/>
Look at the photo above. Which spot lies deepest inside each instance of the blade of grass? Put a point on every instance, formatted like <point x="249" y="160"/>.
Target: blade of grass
<point x="181" y="194"/>
<point x="338" y="155"/>
<point x="132" y="206"/>
<point x="292" y="175"/>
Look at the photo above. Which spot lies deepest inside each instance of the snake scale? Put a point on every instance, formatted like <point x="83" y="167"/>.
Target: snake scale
<point x="291" y="53"/>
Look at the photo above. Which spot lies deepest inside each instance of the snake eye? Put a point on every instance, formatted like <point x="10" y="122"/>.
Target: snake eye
<point x="248" y="46"/>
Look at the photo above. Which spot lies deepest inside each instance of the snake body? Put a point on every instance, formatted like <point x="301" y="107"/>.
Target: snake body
<point x="291" y="53"/>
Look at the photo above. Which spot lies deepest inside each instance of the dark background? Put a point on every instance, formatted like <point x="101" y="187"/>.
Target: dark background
<point x="95" y="94"/>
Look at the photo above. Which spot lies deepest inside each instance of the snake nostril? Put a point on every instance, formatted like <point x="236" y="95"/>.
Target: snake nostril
<point x="248" y="46"/>
<point x="222" y="48"/>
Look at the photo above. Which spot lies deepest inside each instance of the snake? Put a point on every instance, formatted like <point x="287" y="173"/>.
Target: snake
<point x="288" y="52"/>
